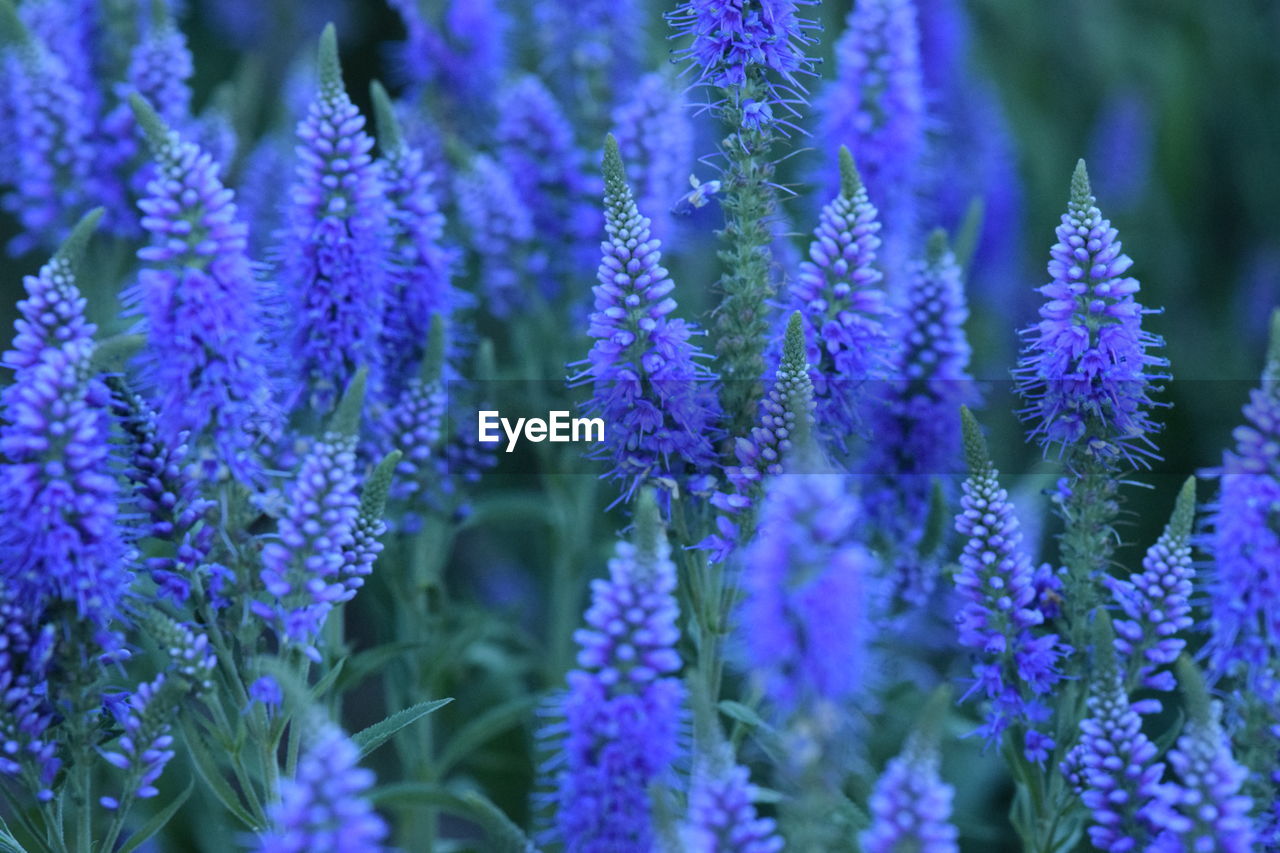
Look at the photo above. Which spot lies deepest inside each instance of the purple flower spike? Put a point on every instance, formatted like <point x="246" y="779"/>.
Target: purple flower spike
<point x="305" y="572"/>
<point x="722" y="817"/>
<point x="651" y="387"/>
<point x="332" y="252"/>
<point x="58" y="490"/>
<point x="26" y="710"/>
<point x="876" y="107"/>
<point x="1202" y="808"/>
<point x="1114" y="763"/>
<point x="748" y="40"/>
<point x="655" y="136"/>
<point x="1001" y="618"/>
<point x="911" y="806"/>
<point x="838" y="294"/>
<point x="804" y="621"/>
<point x="51" y="141"/>
<point x="1245" y="539"/>
<point x="622" y="713"/>
<point x="324" y="807"/>
<point x="146" y="745"/>
<point x="501" y="234"/>
<point x="419" y="267"/>
<point x="1087" y="372"/>
<point x="1157" y="601"/>
<point x="196" y="297"/>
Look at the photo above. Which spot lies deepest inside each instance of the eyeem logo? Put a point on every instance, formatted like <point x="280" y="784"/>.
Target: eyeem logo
<point x="558" y="427"/>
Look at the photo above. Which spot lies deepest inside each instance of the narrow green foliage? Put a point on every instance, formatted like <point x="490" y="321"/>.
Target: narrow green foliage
<point x="73" y="248"/>
<point x="384" y="115"/>
<point x="1194" y="691"/>
<point x="648" y="527"/>
<point x="1271" y="373"/>
<point x="929" y="727"/>
<point x="969" y="232"/>
<point x="850" y="180"/>
<point x="346" y="420"/>
<point x="379" y="733"/>
<point x="938" y="521"/>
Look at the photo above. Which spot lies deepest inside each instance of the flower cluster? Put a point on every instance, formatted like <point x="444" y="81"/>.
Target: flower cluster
<point x="837" y="292"/>
<point x="145" y="746"/>
<point x="804" y="622"/>
<point x="1156" y="602"/>
<point x="58" y="493"/>
<point x="1245" y="539"/>
<point x="500" y="233"/>
<point x="722" y="817"/>
<point x="622" y="712"/>
<point x="649" y="381"/>
<point x="1087" y="372"/>
<point x="302" y="572"/>
<point x="1002" y="617"/>
<point x="742" y="40"/>
<point x="876" y="106"/>
<point x="323" y="808"/>
<point x="655" y="137"/>
<point x="26" y="711"/>
<point x="911" y="806"/>
<point x="196" y="298"/>
<point x="332" y="251"/>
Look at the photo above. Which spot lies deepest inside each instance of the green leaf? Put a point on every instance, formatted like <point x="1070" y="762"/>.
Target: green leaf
<point x="1170" y="735"/>
<point x="501" y="832"/>
<point x="112" y="354"/>
<point x="330" y="678"/>
<point x="969" y="231"/>
<point x="483" y="729"/>
<point x="744" y="714"/>
<point x="212" y="776"/>
<point x="157" y="822"/>
<point x="379" y="733"/>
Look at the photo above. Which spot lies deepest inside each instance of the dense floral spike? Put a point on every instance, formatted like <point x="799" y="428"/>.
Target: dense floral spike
<point x="911" y="806"/>
<point x="876" y="107"/>
<point x="26" y="710"/>
<point x="623" y="709"/>
<point x="1087" y="372"/>
<point x="790" y="400"/>
<point x="915" y="421"/>
<point x="739" y="42"/>
<point x="51" y="139"/>
<point x="146" y="744"/>
<point x="592" y="50"/>
<point x="650" y="385"/>
<point x="722" y="817"/>
<point x="465" y="59"/>
<point x="501" y="235"/>
<point x="655" y="136"/>
<point x="785" y="411"/>
<point x="838" y="293"/>
<point x="1002" y="618"/>
<point x="166" y="491"/>
<point x="324" y="807"/>
<point x="1114" y="760"/>
<point x="303" y="571"/>
<point x="58" y="492"/>
<point x="804" y="621"/>
<point x="332" y="250"/>
<point x="1157" y="601"/>
<point x="1245" y="539"/>
<point x="196" y="298"/>
<point x="1202" y="809"/>
<point x="370" y="523"/>
<point x="536" y="146"/>
<point x="418" y="264"/>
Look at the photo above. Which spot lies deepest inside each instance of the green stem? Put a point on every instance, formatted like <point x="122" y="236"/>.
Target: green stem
<point x="749" y="203"/>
